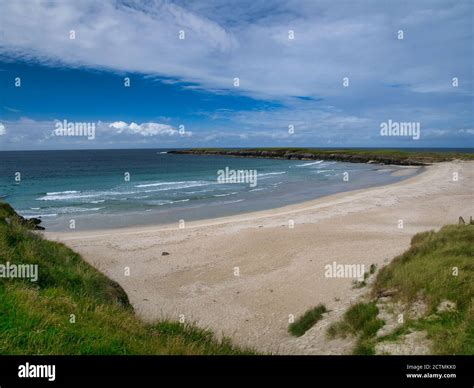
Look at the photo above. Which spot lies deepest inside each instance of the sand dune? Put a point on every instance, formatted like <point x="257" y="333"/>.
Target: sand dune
<point x="281" y="269"/>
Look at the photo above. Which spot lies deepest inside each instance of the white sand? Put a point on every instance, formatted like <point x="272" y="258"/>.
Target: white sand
<point x="281" y="269"/>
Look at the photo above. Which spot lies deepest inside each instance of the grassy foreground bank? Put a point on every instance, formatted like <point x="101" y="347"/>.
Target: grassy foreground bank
<point x="425" y="296"/>
<point x="74" y="309"/>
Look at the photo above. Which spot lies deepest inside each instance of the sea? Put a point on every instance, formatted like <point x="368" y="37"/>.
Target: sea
<point x="100" y="189"/>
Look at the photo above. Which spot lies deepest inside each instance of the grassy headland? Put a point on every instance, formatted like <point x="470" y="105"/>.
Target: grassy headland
<point x="74" y="309"/>
<point x="428" y="289"/>
<point x="383" y="156"/>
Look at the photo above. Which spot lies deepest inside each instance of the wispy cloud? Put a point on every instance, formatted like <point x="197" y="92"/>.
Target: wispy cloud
<point x="403" y="79"/>
<point x="331" y="41"/>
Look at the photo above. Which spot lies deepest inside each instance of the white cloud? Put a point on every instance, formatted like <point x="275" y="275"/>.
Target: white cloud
<point x="249" y="40"/>
<point x="144" y="129"/>
<point x="468" y="131"/>
<point x="322" y="129"/>
<point x="2" y="129"/>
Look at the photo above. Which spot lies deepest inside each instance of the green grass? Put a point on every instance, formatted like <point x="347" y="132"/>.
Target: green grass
<point x="428" y="265"/>
<point x="359" y="320"/>
<point x="35" y="317"/>
<point x="424" y="271"/>
<point x="307" y="320"/>
<point x="394" y="155"/>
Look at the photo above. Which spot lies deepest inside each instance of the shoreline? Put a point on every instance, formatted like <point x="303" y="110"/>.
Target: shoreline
<point x="96" y="206"/>
<point x="370" y="156"/>
<point x="190" y="272"/>
<point x="246" y="216"/>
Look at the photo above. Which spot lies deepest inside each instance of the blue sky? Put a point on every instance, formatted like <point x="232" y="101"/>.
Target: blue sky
<point x="282" y="82"/>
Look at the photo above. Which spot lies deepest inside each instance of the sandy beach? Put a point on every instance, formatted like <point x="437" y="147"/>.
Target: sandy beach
<point x="244" y="276"/>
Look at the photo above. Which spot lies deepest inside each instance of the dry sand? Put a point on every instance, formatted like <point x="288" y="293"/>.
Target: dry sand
<point x="281" y="269"/>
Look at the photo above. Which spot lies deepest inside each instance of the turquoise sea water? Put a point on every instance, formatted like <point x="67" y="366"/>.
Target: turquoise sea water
<point x="90" y="186"/>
